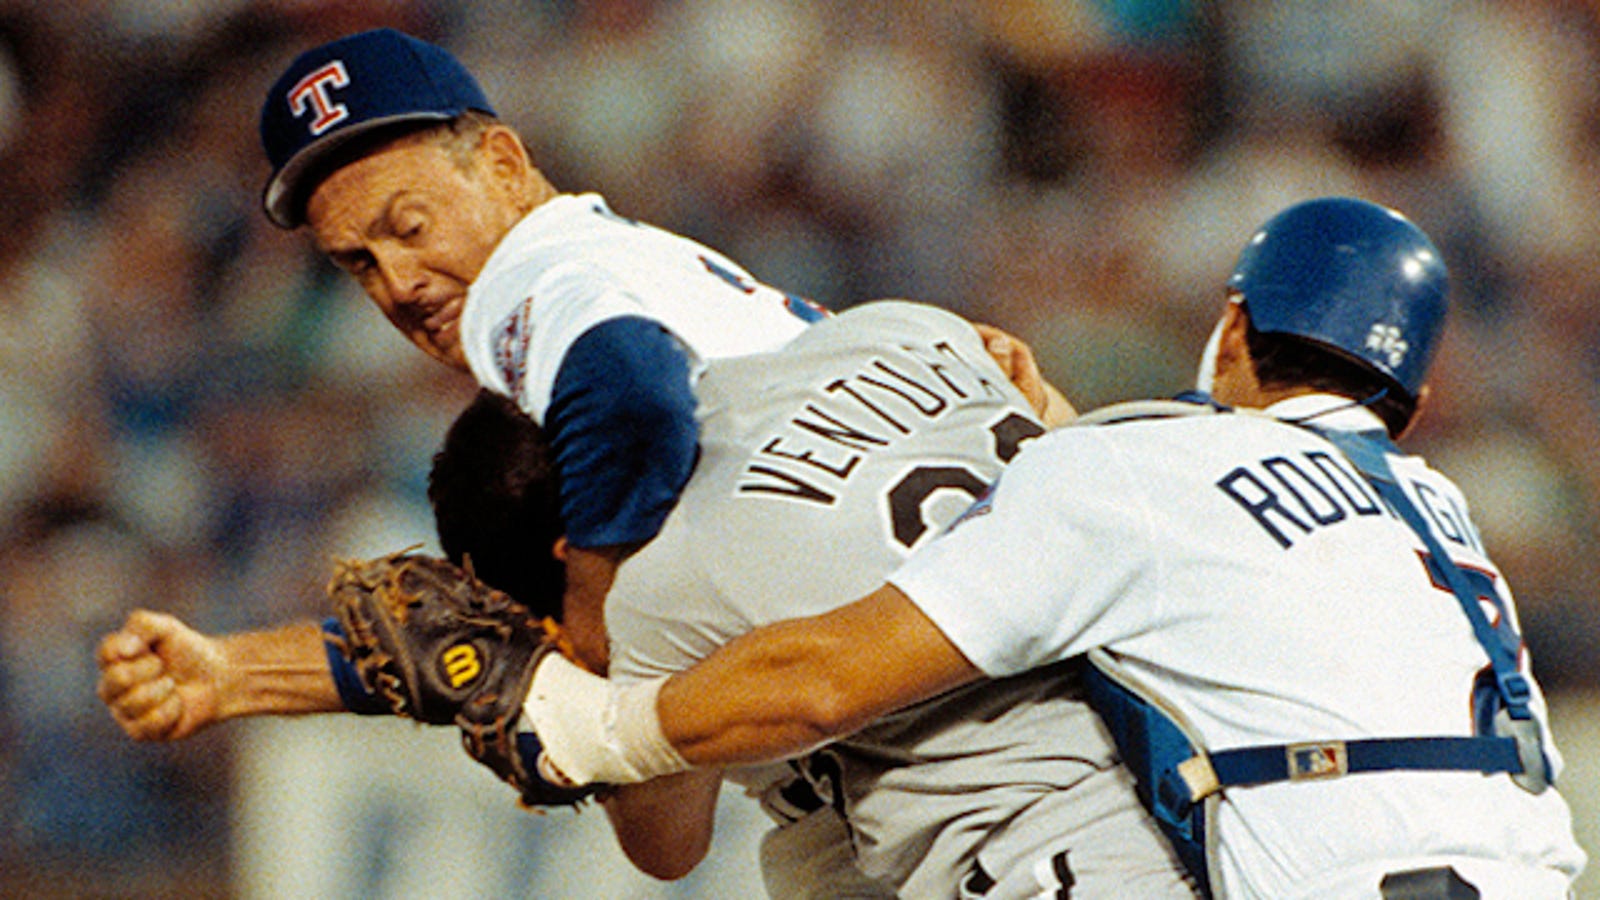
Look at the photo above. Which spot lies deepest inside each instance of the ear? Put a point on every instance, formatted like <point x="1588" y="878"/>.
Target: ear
<point x="1234" y="344"/>
<point x="560" y="549"/>
<point x="1234" y="371"/>
<point x="505" y="160"/>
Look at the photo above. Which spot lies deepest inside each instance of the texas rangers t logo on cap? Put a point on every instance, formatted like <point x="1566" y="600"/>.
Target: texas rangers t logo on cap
<point x="311" y="93"/>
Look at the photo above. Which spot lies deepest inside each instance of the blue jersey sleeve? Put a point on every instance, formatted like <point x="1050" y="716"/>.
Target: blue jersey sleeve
<point x="352" y="691"/>
<point x="622" y="428"/>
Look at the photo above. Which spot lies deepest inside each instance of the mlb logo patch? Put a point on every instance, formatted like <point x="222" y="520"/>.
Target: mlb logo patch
<point x="1312" y="761"/>
<point x="509" y="342"/>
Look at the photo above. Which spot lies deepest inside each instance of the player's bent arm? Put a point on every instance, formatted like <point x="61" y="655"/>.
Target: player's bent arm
<point x="791" y="686"/>
<point x="774" y="692"/>
<point x="664" y="825"/>
<point x="164" y="681"/>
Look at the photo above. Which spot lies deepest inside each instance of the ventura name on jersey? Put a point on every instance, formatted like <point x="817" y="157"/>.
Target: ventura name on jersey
<point x="880" y="404"/>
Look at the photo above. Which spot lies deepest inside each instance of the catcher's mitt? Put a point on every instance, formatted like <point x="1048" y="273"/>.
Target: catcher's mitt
<point x="440" y="646"/>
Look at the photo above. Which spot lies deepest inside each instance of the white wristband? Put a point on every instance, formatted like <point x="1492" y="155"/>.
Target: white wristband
<point x="595" y="732"/>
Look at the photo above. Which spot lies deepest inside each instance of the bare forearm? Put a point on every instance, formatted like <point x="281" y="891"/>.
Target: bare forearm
<point x="283" y="671"/>
<point x="590" y="573"/>
<point x="664" y="826"/>
<point x="788" y="687"/>
<point x="775" y="692"/>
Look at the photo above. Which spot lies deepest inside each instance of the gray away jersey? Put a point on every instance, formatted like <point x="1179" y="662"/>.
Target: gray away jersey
<point x="822" y="467"/>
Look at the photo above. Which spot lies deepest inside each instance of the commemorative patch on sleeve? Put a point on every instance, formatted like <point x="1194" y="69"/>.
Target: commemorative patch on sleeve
<point x="509" y="341"/>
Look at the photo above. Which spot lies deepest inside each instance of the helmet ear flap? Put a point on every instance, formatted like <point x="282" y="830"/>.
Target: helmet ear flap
<point x="1351" y="275"/>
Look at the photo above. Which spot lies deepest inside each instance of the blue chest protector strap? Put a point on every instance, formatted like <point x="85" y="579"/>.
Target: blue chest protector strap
<point x="1514" y="721"/>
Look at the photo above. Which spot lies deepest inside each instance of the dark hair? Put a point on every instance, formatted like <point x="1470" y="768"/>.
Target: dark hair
<point x="496" y="502"/>
<point x="1287" y="360"/>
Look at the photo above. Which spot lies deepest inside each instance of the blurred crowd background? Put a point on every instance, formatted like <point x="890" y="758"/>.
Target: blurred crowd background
<point x="197" y="413"/>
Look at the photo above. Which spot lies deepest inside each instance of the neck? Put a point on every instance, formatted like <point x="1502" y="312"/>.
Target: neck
<point x="1265" y="397"/>
<point x="1237" y="385"/>
<point x="539" y="192"/>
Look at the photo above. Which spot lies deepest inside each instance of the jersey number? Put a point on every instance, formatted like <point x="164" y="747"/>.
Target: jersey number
<point x="909" y="496"/>
<point x="1485" y="691"/>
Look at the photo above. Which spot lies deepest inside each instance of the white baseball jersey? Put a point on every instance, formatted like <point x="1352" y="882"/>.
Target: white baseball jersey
<point x="572" y="263"/>
<point x="822" y="467"/>
<point x="1243" y="570"/>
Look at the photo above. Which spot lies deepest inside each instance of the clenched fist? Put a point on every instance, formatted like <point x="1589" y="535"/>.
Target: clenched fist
<point x="160" y="678"/>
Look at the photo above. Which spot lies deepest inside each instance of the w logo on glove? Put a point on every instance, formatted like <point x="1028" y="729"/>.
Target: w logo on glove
<point x="461" y="665"/>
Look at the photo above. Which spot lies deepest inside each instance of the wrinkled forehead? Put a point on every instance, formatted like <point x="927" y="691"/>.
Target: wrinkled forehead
<point x="357" y="192"/>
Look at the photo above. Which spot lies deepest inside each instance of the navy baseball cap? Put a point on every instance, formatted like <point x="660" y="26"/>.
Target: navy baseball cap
<point x="348" y="88"/>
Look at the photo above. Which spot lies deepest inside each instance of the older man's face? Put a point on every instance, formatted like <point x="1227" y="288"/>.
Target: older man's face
<point x="415" y="229"/>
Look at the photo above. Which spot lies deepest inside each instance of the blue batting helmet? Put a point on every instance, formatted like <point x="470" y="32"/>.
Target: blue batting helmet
<point x="1350" y="275"/>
